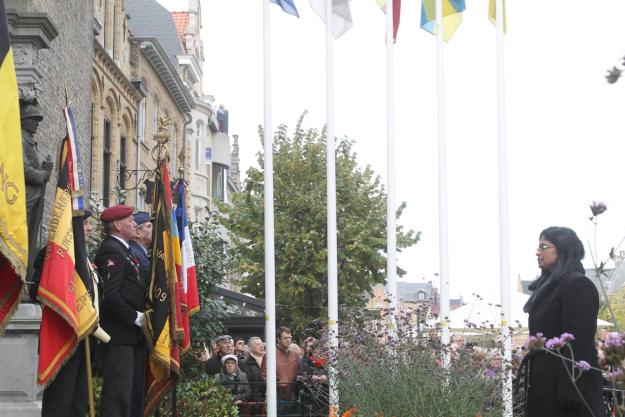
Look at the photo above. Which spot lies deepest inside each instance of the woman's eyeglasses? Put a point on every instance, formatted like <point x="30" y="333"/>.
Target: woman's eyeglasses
<point x="544" y="247"/>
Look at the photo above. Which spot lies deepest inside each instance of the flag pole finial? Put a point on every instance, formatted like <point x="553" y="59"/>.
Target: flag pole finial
<point x="159" y="152"/>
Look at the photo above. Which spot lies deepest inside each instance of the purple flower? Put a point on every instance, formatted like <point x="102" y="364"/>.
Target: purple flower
<point x="535" y="342"/>
<point x="566" y="337"/>
<point x="583" y="365"/>
<point x="554" y="343"/>
<point x="614" y="375"/>
<point x="597" y="208"/>
<point x="490" y="373"/>
<point x="613" y="340"/>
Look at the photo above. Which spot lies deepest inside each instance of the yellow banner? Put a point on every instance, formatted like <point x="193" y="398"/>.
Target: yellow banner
<point x="13" y="224"/>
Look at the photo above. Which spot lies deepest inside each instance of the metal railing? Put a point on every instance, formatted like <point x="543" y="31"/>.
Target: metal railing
<point x="292" y="401"/>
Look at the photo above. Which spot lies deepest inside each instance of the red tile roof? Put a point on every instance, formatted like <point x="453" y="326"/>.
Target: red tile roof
<point x="181" y="20"/>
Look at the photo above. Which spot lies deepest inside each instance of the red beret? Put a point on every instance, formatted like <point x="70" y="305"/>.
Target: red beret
<point x="117" y="212"/>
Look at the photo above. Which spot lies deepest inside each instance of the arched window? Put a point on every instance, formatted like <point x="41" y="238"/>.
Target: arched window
<point x="106" y="163"/>
<point x="421" y="295"/>
<point x="141" y="121"/>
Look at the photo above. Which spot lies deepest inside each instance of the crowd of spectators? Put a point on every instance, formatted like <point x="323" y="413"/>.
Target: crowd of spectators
<point x="240" y="366"/>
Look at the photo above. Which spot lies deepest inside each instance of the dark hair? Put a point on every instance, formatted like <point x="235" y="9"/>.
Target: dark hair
<point x="108" y="227"/>
<point x="282" y="329"/>
<point x="570" y="250"/>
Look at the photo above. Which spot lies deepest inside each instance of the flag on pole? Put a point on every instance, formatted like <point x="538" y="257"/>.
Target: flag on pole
<point x="492" y="13"/>
<point x="396" y="14"/>
<point x="190" y="297"/>
<point x="341" y="15"/>
<point x="65" y="289"/>
<point x="164" y="362"/>
<point x="452" y="16"/>
<point x="13" y="224"/>
<point x="287" y="6"/>
<point x="180" y="330"/>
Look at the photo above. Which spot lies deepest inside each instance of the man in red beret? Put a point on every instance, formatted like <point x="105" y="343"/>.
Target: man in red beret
<point x="123" y="305"/>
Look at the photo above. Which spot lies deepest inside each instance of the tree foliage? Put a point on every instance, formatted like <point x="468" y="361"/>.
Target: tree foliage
<point x="212" y="264"/>
<point x="300" y="226"/>
<point x="617" y="303"/>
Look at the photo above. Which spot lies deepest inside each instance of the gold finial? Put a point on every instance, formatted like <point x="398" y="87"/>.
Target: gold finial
<point x="159" y="152"/>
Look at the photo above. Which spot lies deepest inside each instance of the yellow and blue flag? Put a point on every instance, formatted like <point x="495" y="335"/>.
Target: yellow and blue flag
<point x="452" y="16"/>
<point x="492" y="13"/>
<point x="287" y="6"/>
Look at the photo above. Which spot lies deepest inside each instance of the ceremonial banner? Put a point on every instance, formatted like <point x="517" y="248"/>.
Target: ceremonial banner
<point x="190" y="297"/>
<point x="189" y="278"/>
<point x="341" y="15"/>
<point x="64" y="291"/>
<point x="452" y="16"/>
<point x="164" y="362"/>
<point x="13" y="224"/>
<point x="396" y="14"/>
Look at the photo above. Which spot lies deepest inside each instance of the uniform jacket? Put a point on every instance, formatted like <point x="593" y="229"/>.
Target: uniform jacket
<point x="124" y="292"/>
<point x="144" y="260"/>
<point x="566" y="304"/>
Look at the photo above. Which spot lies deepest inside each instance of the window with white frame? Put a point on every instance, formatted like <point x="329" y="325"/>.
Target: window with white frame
<point x="198" y="146"/>
<point x="218" y="183"/>
<point x="141" y="121"/>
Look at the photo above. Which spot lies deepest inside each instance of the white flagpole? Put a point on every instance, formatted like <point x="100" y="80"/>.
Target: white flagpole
<point x="504" y="239"/>
<point x="442" y="180"/>
<point x="391" y="229"/>
<point x="333" y="303"/>
<point x="270" y="267"/>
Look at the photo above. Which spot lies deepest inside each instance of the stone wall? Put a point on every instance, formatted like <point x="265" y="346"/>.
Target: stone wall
<point x="68" y="62"/>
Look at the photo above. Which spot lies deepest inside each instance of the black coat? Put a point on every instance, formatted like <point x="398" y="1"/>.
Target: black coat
<point x="252" y="369"/>
<point x="125" y="292"/>
<point x="568" y="304"/>
<point x="144" y="260"/>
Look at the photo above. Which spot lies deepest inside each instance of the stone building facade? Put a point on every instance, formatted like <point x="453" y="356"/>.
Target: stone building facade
<point x="136" y="81"/>
<point x="48" y="68"/>
<point x="52" y="61"/>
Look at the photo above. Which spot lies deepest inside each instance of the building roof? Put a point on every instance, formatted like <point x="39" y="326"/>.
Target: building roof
<point x="409" y="291"/>
<point x="181" y="20"/>
<point x="150" y="19"/>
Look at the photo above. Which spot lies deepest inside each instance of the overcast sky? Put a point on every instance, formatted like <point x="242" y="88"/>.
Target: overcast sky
<point x="564" y="122"/>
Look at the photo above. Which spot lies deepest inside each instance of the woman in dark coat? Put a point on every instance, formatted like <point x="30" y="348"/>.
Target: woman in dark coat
<point x="563" y="301"/>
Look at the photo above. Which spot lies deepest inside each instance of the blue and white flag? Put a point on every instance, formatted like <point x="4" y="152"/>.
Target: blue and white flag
<point x="287" y="6"/>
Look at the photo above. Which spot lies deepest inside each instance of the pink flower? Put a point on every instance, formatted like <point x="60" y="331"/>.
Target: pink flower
<point x="554" y="343"/>
<point x="583" y="365"/>
<point x="566" y="337"/>
<point x="535" y="342"/>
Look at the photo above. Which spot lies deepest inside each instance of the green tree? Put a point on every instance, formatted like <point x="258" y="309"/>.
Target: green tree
<point x="212" y="264"/>
<point x="300" y="227"/>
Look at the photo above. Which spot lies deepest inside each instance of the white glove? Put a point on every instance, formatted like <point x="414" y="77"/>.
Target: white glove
<point x="140" y="320"/>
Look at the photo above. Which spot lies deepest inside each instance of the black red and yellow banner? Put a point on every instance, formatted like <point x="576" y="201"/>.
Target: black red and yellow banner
<point x="64" y="291"/>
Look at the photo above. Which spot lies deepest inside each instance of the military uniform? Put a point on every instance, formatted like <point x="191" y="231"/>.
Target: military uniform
<point x="138" y="385"/>
<point x="123" y="303"/>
